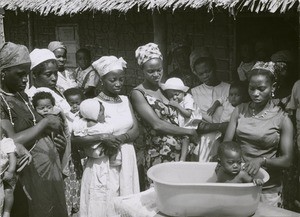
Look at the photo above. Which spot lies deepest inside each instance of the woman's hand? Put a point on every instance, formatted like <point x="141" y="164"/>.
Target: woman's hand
<point x="25" y="157"/>
<point x="112" y="141"/>
<point x="252" y="167"/>
<point x="53" y="123"/>
<point x="60" y="143"/>
<point x="203" y="127"/>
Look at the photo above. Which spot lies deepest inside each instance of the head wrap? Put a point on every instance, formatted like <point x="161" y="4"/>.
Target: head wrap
<point x="13" y="54"/>
<point x="53" y="45"/>
<point x="282" y="56"/>
<point x="201" y="52"/>
<point x="147" y="52"/>
<point x="174" y="84"/>
<point x="90" y="109"/>
<point x="269" y="66"/>
<point x="38" y="56"/>
<point x="107" y="64"/>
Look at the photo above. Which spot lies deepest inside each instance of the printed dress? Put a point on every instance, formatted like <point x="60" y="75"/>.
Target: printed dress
<point x="160" y="148"/>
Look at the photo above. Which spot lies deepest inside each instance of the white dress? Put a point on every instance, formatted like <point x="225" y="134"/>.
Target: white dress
<point x="100" y="182"/>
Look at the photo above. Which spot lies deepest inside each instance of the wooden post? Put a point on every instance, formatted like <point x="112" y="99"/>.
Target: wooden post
<point x="299" y="45"/>
<point x="2" y="36"/>
<point x="160" y="30"/>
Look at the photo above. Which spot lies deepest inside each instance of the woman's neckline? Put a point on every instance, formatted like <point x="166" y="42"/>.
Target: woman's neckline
<point x="111" y="99"/>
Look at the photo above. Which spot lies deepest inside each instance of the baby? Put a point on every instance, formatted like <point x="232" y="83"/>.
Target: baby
<point x="183" y="102"/>
<point x="229" y="168"/>
<point x="237" y="95"/>
<point x="8" y="162"/>
<point x="93" y="123"/>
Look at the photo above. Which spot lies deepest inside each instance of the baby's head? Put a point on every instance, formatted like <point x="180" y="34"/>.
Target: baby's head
<point x="74" y="97"/>
<point x="175" y="89"/>
<point x="230" y="157"/>
<point x="238" y="93"/>
<point x="43" y="102"/>
<point x="83" y="58"/>
<point x="92" y="110"/>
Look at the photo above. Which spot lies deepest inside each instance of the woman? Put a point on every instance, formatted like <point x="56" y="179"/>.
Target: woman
<point x="203" y="66"/>
<point x="264" y="132"/>
<point x="44" y="69"/>
<point x="66" y="77"/>
<point x="102" y="181"/>
<point x="161" y="131"/>
<point x="42" y="179"/>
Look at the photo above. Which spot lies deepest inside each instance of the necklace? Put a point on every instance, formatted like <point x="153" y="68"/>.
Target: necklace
<point x="8" y="108"/>
<point x="104" y="97"/>
<point x="254" y="114"/>
<point x="31" y="112"/>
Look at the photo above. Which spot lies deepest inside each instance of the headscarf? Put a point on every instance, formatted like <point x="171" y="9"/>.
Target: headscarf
<point x="12" y="55"/>
<point x="147" y="52"/>
<point x="90" y="109"/>
<point x="53" y="45"/>
<point x="282" y="56"/>
<point x="38" y="56"/>
<point x="201" y="52"/>
<point x="107" y="64"/>
<point x="269" y="66"/>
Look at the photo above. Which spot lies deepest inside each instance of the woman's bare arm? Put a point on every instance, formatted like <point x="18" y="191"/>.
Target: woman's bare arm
<point x="141" y="106"/>
<point x="232" y="125"/>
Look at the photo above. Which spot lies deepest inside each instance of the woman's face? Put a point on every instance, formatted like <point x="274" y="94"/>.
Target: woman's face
<point x="48" y="77"/>
<point x="260" y="89"/>
<point x="153" y="71"/>
<point x="205" y="73"/>
<point x="14" y="78"/>
<point x="113" y="82"/>
<point x="61" y="55"/>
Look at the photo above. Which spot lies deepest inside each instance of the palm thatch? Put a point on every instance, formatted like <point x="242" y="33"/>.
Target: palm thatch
<point x="62" y="7"/>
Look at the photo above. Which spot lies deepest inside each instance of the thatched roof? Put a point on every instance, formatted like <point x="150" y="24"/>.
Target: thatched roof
<point x="61" y="7"/>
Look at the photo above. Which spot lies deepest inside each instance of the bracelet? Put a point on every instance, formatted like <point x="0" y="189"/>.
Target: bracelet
<point x="127" y="137"/>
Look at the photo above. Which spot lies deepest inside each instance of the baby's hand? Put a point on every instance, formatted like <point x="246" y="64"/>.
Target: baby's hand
<point x="8" y="176"/>
<point x="258" y="182"/>
<point x="212" y="110"/>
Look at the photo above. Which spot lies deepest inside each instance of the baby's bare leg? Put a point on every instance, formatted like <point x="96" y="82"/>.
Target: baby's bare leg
<point x="8" y="201"/>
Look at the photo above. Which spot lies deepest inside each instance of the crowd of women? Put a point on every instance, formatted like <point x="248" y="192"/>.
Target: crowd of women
<point x="73" y="132"/>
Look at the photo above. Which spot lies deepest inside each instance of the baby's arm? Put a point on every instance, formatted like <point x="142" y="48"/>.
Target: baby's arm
<point x="213" y="108"/>
<point x="246" y="178"/>
<point x="184" y="112"/>
<point x="9" y="173"/>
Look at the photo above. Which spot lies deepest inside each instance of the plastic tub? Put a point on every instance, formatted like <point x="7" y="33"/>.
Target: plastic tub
<point x="190" y="189"/>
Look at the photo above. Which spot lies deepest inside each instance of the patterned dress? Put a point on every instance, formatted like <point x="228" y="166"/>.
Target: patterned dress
<point x="159" y="148"/>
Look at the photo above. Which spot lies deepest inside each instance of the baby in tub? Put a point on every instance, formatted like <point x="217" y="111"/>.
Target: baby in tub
<point x="229" y="168"/>
<point x="92" y="123"/>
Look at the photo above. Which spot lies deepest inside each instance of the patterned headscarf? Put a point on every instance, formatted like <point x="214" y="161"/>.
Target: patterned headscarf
<point x="53" y="45"/>
<point x="269" y="66"/>
<point x="147" y="52"/>
<point x="107" y="64"/>
<point x="12" y="55"/>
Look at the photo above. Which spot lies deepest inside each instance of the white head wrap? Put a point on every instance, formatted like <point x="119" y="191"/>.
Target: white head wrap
<point x="147" y="52"/>
<point x="90" y="109"/>
<point x="37" y="56"/>
<point x="107" y="64"/>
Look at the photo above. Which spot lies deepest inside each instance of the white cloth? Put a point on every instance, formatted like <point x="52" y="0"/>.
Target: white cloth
<point x="205" y="96"/>
<point x="83" y="81"/>
<point x="37" y="56"/>
<point x="100" y="182"/>
<point x="187" y="103"/>
<point x="107" y="64"/>
<point x="7" y="146"/>
<point x="66" y="82"/>
<point x="227" y="111"/>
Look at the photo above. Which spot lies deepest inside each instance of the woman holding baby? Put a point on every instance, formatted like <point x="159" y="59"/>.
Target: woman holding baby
<point x="101" y="179"/>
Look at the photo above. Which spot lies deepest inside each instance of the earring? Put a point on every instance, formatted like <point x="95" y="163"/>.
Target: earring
<point x="272" y="94"/>
<point x="2" y="76"/>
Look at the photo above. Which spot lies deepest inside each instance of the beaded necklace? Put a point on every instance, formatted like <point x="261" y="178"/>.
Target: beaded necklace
<point x="9" y="109"/>
<point x="254" y="114"/>
<point x="103" y="96"/>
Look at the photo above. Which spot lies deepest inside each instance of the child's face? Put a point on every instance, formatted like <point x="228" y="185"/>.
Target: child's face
<point x="83" y="60"/>
<point x="234" y="97"/>
<point x="231" y="162"/>
<point x="176" y="95"/>
<point x="101" y="116"/>
<point x="44" y="106"/>
<point x="74" y="101"/>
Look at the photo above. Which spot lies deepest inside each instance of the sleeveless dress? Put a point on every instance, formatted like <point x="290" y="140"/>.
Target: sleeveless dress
<point x="259" y="136"/>
<point x="102" y="182"/>
<point x="160" y="148"/>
